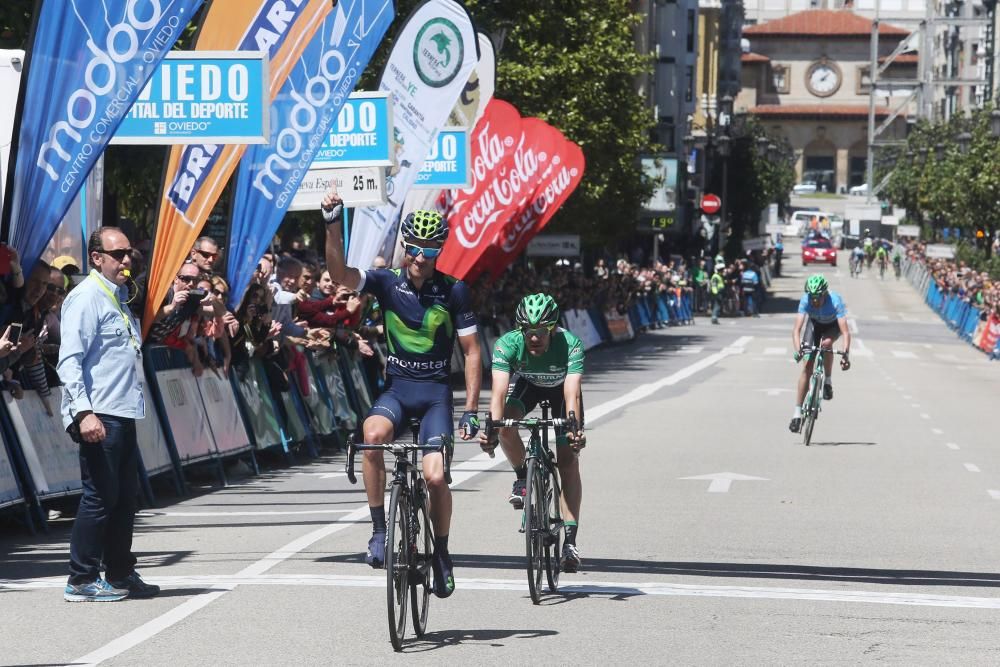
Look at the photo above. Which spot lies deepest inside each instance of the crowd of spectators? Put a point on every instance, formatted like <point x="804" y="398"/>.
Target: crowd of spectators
<point x="955" y="277"/>
<point x="292" y="305"/>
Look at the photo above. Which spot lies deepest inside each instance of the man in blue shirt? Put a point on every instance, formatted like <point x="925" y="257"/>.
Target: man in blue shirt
<point x="100" y="365"/>
<point x="826" y="313"/>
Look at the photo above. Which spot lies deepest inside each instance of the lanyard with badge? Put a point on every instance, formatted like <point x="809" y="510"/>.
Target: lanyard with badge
<point x="131" y="336"/>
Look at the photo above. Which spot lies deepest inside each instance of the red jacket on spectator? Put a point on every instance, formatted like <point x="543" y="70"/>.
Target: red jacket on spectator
<point x="327" y="314"/>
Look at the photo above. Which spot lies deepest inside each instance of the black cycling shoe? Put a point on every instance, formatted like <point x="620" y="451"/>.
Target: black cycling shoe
<point x="795" y="425"/>
<point x="827" y="392"/>
<point x="444" y="576"/>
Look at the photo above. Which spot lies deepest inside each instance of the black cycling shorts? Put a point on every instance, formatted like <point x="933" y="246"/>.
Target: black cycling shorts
<point x="816" y="331"/>
<point x="431" y="402"/>
<point x="527" y="396"/>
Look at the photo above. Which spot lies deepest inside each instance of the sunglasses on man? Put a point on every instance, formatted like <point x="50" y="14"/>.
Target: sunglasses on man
<point x="537" y="332"/>
<point x="117" y="255"/>
<point x="415" y="251"/>
<point x="190" y="280"/>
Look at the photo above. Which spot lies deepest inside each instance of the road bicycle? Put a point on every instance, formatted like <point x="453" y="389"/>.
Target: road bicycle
<point x="857" y="265"/>
<point x="814" y="396"/>
<point x="409" y="539"/>
<point x="897" y="266"/>
<point x="542" y="522"/>
<point x="881" y="268"/>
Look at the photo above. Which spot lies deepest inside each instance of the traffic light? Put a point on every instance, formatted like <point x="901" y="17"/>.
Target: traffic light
<point x="980" y="238"/>
<point x="886" y="207"/>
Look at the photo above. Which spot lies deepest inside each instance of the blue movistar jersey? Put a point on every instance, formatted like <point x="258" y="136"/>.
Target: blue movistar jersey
<point x="832" y="309"/>
<point x="420" y="326"/>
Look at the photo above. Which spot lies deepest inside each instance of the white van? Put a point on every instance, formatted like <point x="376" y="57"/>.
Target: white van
<point x="830" y="224"/>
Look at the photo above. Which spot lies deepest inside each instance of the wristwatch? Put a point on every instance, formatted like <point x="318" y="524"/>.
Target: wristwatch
<point x="333" y="214"/>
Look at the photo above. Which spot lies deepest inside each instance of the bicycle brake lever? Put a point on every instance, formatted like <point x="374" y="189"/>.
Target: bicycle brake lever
<point x="349" y="467"/>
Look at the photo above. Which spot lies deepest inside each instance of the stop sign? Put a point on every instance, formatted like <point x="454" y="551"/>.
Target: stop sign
<point x="711" y="204"/>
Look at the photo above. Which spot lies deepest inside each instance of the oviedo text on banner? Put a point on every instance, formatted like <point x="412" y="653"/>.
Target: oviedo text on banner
<point x="196" y="174"/>
<point x="427" y="70"/>
<point x="302" y="113"/>
<point x="88" y="63"/>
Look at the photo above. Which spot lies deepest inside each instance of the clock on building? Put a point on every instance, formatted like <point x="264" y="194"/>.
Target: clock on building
<point x="823" y="78"/>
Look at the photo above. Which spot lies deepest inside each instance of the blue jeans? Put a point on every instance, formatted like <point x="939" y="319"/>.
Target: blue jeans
<point x="103" y="527"/>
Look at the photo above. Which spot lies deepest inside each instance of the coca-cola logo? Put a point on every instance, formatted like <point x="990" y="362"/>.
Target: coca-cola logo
<point x="539" y="205"/>
<point x="498" y="194"/>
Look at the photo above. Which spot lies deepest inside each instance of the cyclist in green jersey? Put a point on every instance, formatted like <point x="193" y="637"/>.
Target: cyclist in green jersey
<point x="549" y="363"/>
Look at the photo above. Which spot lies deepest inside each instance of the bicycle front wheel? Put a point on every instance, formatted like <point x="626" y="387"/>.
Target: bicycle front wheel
<point x="553" y="538"/>
<point x="397" y="565"/>
<point x="534" y="529"/>
<point x="423" y="552"/>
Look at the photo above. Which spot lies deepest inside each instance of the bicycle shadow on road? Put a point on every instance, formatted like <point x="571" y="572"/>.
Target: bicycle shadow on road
<point x="899" y="577"/>
<point x="842" y="444"/>
<point x="433" y="641"/>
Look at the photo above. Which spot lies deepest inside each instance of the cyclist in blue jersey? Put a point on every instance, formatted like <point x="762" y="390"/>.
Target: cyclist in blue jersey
<point x="423" y="311"/>
<point x="824" y="315"/>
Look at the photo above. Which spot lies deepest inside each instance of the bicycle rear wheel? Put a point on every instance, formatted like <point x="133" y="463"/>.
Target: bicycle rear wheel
<point x="553" y="539"/>
<point x="397" y="565"/>
<point x="809" y="412"/>
<point x="423" y="552"/>
<point x="534" y="529"/>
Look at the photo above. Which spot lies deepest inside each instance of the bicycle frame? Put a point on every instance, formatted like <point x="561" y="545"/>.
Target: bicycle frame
<point x="407" y="567"/>
<point x="542" y="534"/>
<point x="814" y="394"/>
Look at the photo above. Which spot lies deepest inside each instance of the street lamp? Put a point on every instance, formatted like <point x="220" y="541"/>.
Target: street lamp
<point x="939" y="152"/>
<point x="762" y="144"/>
<point x="726" y="109"/>
<point x="995" y="123"/>
<point x="922" y="154"/>
<point x="772" y="152"/>
<point x="963" y="140"/>
<point x="723" y="145"/>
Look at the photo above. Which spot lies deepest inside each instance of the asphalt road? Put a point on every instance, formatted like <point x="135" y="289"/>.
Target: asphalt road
<point x="710" y="534"/>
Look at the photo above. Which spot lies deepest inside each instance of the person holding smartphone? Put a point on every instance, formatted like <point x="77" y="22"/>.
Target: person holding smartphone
<point x="100" y="365"/>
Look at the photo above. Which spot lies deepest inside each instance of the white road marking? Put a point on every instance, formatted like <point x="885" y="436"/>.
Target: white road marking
<point x="721" y="481"/>
<point x="690" y="349"/>
<point x="946" y="357"/>
<point x="903" y="354"/>
<point x="566" y="586"/>
<point x="324" y="475"/>
<point x="149" y="513"/>
<point x="776" y="350"/>
<point x="952" y="445"/>
<point x="924" y="415"/>
<point x="907" y="397"/>
<point x="860" y="349"/>
<point x="460" y="473"/>
<point x="937" y="431"/>
<point x="971" y="467"/>
<point x="777" y="391"/>
<point x="914" y="405"/>
<point x="994" y="494"/>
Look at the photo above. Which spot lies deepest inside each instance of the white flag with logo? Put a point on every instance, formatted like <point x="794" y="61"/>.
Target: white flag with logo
<point x="427" y="70"/>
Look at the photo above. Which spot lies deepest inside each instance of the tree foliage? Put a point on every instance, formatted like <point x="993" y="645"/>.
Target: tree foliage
<point x="944" y="186"/>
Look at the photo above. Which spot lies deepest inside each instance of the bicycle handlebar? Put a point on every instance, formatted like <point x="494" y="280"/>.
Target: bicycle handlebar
<point x="397" y="448"/>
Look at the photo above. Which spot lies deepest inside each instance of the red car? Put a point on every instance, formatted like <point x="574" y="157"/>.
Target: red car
<point x="818" y="250"/>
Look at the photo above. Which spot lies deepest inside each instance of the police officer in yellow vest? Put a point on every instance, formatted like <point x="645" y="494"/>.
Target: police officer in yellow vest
<point x="716" y="287"/>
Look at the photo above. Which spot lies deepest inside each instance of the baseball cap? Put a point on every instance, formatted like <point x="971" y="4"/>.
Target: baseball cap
<point x="63" y="261"/>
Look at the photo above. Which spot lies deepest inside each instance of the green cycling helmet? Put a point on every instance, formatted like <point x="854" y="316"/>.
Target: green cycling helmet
<point x="816" y="285"/>
<point x="537" y="310"/>
<point x="425" y="226"/>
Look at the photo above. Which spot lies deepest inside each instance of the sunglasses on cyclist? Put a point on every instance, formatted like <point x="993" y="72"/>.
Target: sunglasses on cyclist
<point x="416" y="251"/>
<point x="537" y="331"/>
<point x="117" y="255"/>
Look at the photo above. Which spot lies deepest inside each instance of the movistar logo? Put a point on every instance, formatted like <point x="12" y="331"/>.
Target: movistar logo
<point x="420" y="340"/>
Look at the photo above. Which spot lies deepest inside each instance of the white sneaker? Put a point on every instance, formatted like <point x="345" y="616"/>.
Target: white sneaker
<point x="570" y="558"/>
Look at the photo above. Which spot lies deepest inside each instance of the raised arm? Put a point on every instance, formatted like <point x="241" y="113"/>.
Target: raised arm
<point x="333" y="211"/>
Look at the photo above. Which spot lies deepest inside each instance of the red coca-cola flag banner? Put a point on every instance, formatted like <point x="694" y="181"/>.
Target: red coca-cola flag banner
<point x="991" y="334"/>
<point x="476" y="221"/>
<point x="472" y="210"/>
<point x="563" y="174"/>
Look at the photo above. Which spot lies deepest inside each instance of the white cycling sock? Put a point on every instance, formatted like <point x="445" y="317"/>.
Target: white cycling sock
<point x="828" y="382"/>
<point x="798" y="412"/>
